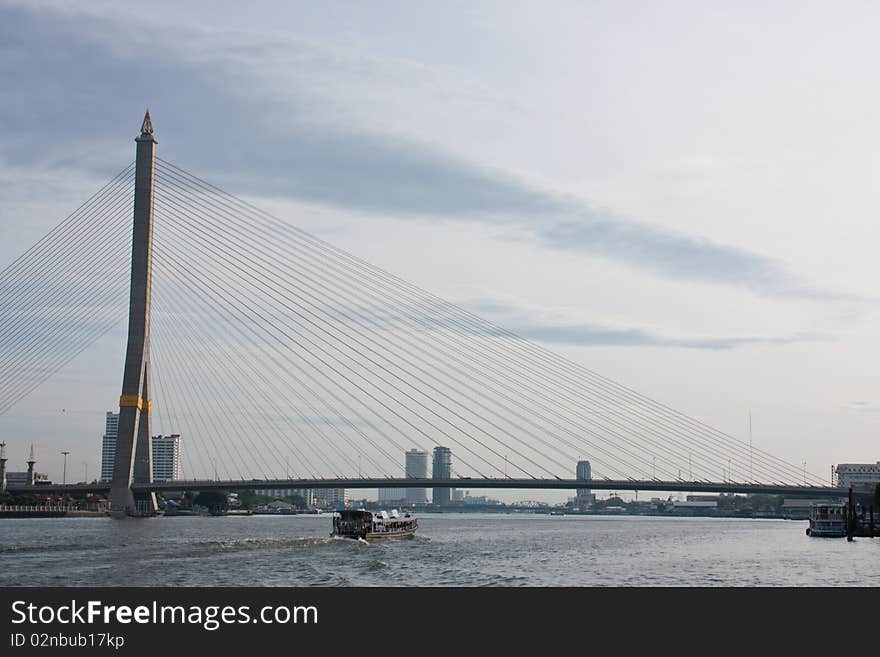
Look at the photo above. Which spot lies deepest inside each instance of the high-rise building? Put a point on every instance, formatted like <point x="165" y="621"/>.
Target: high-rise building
<point x="332" y="498"/>
<point x="166" y="452"/>
<point x="307" y="494"/>
<point x="442" y="470"/>
<point x="166" y="457"/>
<point x="584" y="495"/>
<point x="108" y="445"/>
<point x="392" y="494"/>
<point x="584" y="471"/>
<point x="416" y="468"/>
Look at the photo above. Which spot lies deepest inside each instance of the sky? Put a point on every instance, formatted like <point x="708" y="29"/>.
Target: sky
<point x="677" y="195"/>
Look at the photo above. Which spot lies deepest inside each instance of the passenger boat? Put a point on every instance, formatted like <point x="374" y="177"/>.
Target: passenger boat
<point x="827" y="520"/>
<point x="369" y="526"/>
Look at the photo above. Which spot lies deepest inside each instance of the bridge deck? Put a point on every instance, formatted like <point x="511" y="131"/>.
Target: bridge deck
<point x="508" y="483"/>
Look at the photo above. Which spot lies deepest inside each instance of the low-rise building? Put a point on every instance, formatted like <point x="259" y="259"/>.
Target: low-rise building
<point x="695" y="507"/>
<point x="23" y="478"/>
<point x="858" y="475"/>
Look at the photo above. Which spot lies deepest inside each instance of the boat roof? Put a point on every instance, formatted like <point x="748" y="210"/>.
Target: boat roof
<point x="364" y="514"/>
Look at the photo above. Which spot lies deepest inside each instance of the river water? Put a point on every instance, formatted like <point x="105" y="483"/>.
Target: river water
<point x="449" y="550"/>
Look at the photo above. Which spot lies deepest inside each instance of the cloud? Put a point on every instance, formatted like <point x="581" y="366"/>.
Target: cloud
<point x="676" y="255"/>
<point x="255" y="114"/>
<point x="863" y="406"/>
<point x="535" y="325"/>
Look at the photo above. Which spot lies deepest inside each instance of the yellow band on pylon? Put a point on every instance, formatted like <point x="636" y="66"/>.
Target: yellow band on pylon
<point x="135" y="400"/>
<point x="130" y="400"/>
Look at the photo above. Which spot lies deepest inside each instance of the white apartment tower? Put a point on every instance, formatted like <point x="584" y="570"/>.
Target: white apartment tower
<point x="108" y="445"/>
<point x="331" y="497"/>
<point x="166" y="457"/>
<point x="392" y="494"/>
<point x="416" y="468"/>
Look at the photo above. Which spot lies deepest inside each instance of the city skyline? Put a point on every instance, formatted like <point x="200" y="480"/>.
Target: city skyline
<point x="167" y="467"/>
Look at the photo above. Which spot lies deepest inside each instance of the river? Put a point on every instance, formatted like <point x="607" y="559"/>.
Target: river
<point x="450" y="550"/>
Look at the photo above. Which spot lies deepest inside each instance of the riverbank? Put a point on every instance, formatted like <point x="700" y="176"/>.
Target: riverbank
<point x="49" y="512"/>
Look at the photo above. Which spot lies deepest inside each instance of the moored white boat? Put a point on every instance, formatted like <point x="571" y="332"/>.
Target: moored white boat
<point x="827" y="520"/>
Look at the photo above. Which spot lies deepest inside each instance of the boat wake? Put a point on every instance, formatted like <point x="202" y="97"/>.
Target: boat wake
<point x="61" y="547"/>
<point x="245" y="544"/>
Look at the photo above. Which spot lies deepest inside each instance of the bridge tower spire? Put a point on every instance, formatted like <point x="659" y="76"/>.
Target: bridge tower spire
<point x="134" y="457"/>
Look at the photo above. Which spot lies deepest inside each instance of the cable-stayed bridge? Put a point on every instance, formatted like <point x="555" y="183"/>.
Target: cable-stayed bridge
<point x="286" y="362"/>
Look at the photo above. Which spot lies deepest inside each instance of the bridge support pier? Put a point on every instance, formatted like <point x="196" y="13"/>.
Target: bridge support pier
<point x="134" y="458"/>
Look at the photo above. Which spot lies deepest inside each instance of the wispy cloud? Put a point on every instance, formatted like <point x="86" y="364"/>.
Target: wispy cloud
<point x="863" y="406"/>
<point x="246" y="111"/>
<point x="545" y="326"/>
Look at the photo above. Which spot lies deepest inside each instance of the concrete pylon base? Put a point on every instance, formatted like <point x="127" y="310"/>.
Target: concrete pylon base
<point x="121" y="502"/>
<point x="124" y="503"/>
<point x="145" y="505"/>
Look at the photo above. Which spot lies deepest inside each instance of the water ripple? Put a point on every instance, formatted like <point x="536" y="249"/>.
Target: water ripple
<point x="450" y="550"/>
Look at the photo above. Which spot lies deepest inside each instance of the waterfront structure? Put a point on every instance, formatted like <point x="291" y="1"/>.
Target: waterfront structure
<point x="31" y="462"/>
<point x="23" y="478"/>
<point x="829" y="520"/>
<point x="694" y="504"/>
<point x="442" y="469"/>
<point x="331" y="497"/>
<point x="108" y="445"/>
<point x="133" y="461"/>
<point x="416" y="468"/>
<point x="166" y="457"/>
<point x="858" y="475"/>
<point x="29" y="477"/>
<point x="478" y="500"/>
<point x="584" y="497"/>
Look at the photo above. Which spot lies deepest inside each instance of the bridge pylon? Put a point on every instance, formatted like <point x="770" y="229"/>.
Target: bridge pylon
<point x="134" y="457"/>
